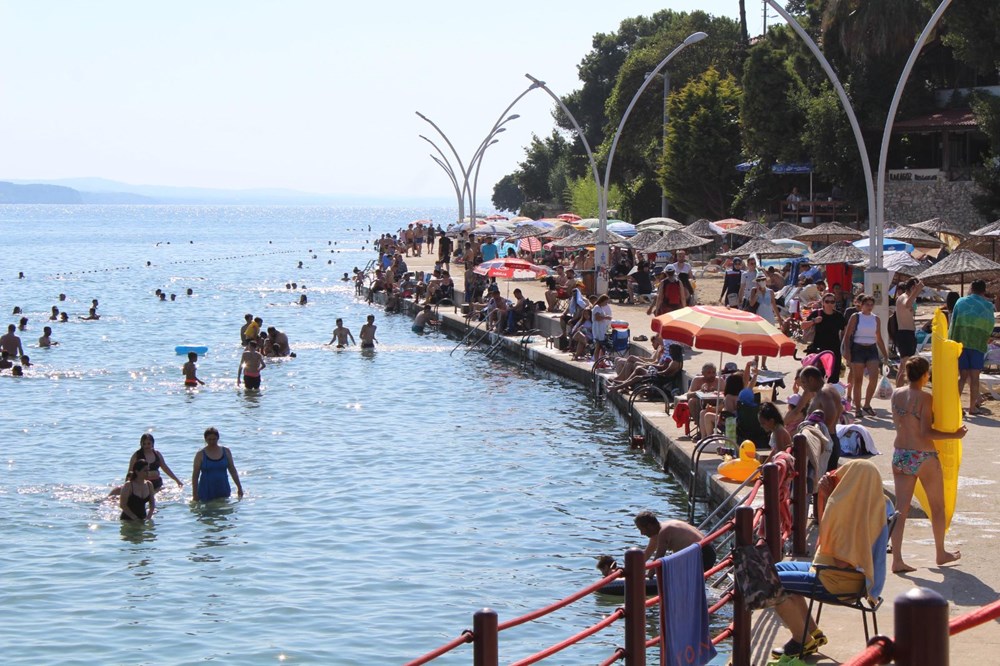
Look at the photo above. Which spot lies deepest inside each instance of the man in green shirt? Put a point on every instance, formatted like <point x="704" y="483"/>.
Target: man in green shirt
<point x="972" y="322"/>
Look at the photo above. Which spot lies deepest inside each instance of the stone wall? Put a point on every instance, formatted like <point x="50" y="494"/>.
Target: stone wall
<point x="911" y="202"/>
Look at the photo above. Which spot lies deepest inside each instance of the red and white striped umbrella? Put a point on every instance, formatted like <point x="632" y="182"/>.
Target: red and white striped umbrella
<point x="511" y="268"/>
<point x="531" y="244"/>
<point x="725" y="330"/>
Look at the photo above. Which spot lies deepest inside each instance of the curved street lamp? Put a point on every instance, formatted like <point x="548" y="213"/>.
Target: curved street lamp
<point x="601" y="251"/>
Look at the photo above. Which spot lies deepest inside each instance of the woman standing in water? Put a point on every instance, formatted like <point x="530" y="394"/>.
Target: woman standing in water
<point x="914" y="457"/>
<point x="137" y="493"/>
<point x="154" y="460"/>
<point x="209" y="479"/>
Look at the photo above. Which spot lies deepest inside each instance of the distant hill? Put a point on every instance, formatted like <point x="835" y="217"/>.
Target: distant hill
<point x="13" y="193"/>
<point x="104" y="191"/>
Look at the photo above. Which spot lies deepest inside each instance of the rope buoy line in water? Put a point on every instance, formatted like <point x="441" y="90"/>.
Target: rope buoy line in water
<point x="169" y="263"/>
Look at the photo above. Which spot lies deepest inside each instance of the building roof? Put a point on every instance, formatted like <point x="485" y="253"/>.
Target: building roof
<point x="960" y="120"/>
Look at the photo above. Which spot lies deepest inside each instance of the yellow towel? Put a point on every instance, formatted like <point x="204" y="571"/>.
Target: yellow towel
<point x="853" y="518"/>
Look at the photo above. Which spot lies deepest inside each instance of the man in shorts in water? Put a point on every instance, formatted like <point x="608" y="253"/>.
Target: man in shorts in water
<point x="424" y="317"/>
<point x="10" y="343"/>
<point x="367" y="334"/>
<point x="341" y="334"/>
<point x="671" y="536"/>
<point x="190" y="371"/>
<point x="251" y="363"/>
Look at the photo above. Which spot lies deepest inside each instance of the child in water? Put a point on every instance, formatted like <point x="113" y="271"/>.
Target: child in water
<point x="341" y="334"/>
<point x="607" y="565"/>
<point x="190" y="371"/>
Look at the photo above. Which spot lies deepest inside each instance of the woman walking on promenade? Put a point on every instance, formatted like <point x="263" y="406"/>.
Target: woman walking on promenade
<point x="914" y="457"/>
<point x="211" y="464"/>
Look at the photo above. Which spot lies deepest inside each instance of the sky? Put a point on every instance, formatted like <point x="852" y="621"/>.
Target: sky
<point x="312" y="95"/>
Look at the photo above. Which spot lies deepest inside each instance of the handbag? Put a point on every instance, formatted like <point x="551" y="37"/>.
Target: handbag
<point x="756" y="577"/>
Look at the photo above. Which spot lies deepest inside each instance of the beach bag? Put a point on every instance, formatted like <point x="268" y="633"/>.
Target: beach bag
<point x="756" y="577"/>
<point x="884" y="391"/>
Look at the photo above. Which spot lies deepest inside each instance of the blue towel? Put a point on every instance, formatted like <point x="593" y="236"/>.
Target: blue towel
<point x="684" y="610"/>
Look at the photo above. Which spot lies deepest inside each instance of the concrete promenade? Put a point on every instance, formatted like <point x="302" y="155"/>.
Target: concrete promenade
<point x="968" y="584"/>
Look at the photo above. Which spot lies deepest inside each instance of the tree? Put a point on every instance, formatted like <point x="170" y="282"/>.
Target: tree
<point x="986" y="108"/>
<point x="507" y="195"/>
<point x="582" y="197"/>
<point x="972" y="30"/>
<point x="768" y="112"/>
<point x="533" y="173"/>
<point x="703" y="146"/>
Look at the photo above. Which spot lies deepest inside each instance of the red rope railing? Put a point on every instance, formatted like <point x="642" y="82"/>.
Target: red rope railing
<point x="562" y="603"/>
<point x="575" y="638"/>
<point x="878" y="652"/>
<point x="619" y="653"/>
<point x="974" y="618"/>
<point x="723" y="635"/>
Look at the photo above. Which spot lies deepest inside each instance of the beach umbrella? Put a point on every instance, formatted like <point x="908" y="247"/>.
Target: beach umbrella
<point x="887" y="244"/>
<point x="840" y="252"/>
<point x="784" y="230"/>
<point x="561" y="232"/>
<point x="623" y="228"/>
<point x="791" y="245"/>
<point x="829" y="232"/>
<point x="667" y="221"/>
<point x="751" y="230"/>
<point x="914" y="236"/>
<point x="762" y="248"/>
<point x="991" y="229"/>
<point x="659" y="228"/>
<point x="496" y="217"/>
<point x="511" y="268"/>
<point x="902" y="264"/>
<point x="961" y="266"/>
<point x="984" y="245"/>
<point x="704" y="229"/>
<point x="725" y="330"/>
<point x="587" y="223"/>
<point x="645" y="238"/>
<point x="520" y="219"/>
<point x="529" y="243"/>
<point x="678" y="239"/>
<point x="936" y="225"/>
<point x="491" y="229"/>
<point x="730" y="224"/>
<point x="526" y="231"/>
<point x="589" y="237"/>
<point x="569" y="217"/>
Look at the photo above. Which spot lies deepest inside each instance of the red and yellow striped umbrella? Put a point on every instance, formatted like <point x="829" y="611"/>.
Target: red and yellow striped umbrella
<point x="725" y="330"/>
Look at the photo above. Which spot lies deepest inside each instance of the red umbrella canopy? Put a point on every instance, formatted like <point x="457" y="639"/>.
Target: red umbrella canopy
<point x="511" y="268"/>
<point x="725" y="330"/>
<point x="531" y="244"/>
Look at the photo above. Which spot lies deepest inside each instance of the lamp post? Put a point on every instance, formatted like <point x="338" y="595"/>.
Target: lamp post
<point x="876" y="278"/>
<point x="475" y="161"/>
<point x="601" y="251"/>
<point x="664" y="202"/>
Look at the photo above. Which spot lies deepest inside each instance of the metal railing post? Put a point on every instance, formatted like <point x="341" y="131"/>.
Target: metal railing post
<point x="484" y="638"/>
<point x="800" y="496"/>
<point x="741" y="614"/>
<point x="635" y="607"/>
<point x="921" y="619"/>
<point x="772" y="512"/>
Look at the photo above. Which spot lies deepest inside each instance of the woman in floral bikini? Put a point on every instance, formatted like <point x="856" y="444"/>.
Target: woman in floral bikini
<point x="914" y="457"/>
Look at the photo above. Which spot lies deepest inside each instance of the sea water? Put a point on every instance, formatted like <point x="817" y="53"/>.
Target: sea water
<point x="389" y="495"/>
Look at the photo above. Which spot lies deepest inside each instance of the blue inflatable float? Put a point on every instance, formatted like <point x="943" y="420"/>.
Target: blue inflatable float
<point x="617" y="587"/>
<point x="184" y="350"/>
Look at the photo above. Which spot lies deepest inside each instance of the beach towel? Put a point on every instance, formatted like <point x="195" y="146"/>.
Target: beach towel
<point x="684" y="610"/>
<point x="972" y="322"/>
<point x="854" y="519"/>
<point x="819" y="448"/>
<point x="855" y="440"/>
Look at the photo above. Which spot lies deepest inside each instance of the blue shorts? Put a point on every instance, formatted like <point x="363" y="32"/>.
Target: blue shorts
<point x="800" y="578"/>
<point x="971" y="359"/>
<point x="864" y="354"/>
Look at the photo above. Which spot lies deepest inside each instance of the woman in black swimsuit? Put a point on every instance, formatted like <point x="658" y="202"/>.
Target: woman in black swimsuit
<point x="137" y="493"/>
<point x="154" y="459"/>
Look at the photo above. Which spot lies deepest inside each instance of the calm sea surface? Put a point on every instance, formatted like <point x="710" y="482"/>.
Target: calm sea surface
<point x="389" y="495"/>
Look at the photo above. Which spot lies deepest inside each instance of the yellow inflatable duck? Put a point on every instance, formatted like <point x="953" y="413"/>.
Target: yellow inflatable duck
<point x="740" y="469"/>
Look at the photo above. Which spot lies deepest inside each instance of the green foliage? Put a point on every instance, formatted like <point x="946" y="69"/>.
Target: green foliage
<point x="828" y="139"/>
<point x="581" y="195"/>
<point x="703" y="146"/>
<point x="987" y="111"/>
<point x="768" y="112"/>
<point x="973" y="31"/>
<point x="507" y="195"/>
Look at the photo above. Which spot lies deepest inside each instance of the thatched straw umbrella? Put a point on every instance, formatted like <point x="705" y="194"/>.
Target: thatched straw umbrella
<point x="702" y="228"/>
<point x="527" y="231"/>
<point x="589" y="237"/>
<point x="784" y="230"/>
<point x="645" y="238"/>
<point x="762" y="248"/>
<point x="829" y="233"/>
<point x="751" y="230"/>
<point x="914" y="237"/>
<point x="936" y="225"/>
<point x="841" y="252"/>
<point x="561" y="231"/>
<point x="991" y="229"/>
<point x="679" y="239"/>
<point x="668" y="221"/>
<point x="961" y="265"/>
<point x="984" y="245"/>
